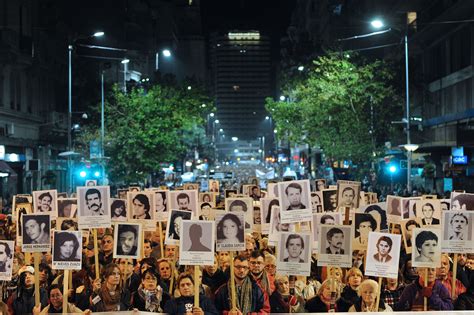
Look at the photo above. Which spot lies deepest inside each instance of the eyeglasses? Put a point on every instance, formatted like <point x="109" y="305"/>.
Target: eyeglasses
<point x="270" y="267"/>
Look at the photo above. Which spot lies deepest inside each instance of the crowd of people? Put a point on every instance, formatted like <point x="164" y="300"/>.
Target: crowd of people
<point x="157" y="283"/>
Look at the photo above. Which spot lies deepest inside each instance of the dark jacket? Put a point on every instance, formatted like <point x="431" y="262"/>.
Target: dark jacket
<point x="358" y="307"/>
<point x="24" y="304"/>
<point x="465" y="301"/>
<point x="214" y="281"/>
<point x="185" y="304"/>
<point x="316" y="305"/>
<point x="124" y="304"/>
<point x="260" y="302"/>
<point x="440" y="299"/>
<point x="348" y="298"/>
<point x="279" y="304"/>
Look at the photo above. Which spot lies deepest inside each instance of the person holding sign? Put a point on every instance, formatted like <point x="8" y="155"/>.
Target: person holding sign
<point x="23" y="300"/>
<point x="185" y="303"/>
<point x="327" y="300"/>
<point x="56" y="303"/>
<point x="150" y="297"/>
<point x="281" y="300"/>
<point x="111" y="297"/>
<point x="426" y="243"/>
<point x="367" y="292"/>
<point x="414" y="294"/>
<point x="249" y="296"/>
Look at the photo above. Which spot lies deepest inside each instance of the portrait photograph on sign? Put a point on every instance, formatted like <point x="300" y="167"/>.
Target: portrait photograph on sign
<point x="320" y="184"/>
<point x="207" y="197"/>
<point x="122" y="193"/>
<point x="407" y="227"/>
<point x="317" y="202"/>
<point x="294" y="254"/>
<point x="197" y="244"/>
<point x="426" y="247"/>
<point x="46" y="201"/>
<point x="348" y="194"/>
<point x="458" y="232"/>
<point x="21" y="209"/>
<point x="445" y="204"/>
<point x="36" y="232"/>
<point x="254" y="192"/>
<point x="21" y="200"/>
<point x="272" y="190"/>
<point x="67" y="224"/>
<point x="429" y="211"/>
<point x="462" y="201"/>
<point x="379" y="212"/>
<point x="128" y="240"/>
<point x="295" y="201"/>
<point x="257" y="219"/>
<point x="363" y="224"/>
<point x="67" y="207"/>
<point x="383" y="255"/>
<point x="230" y="231"/>
<point x="241" y="205"/>
<point x="329" y="200"/>
<point x="185" y="200"/>
<point x="93" y="205"/>
<point x="173" y="225"/>
<point x="67" y="250"/>
<point x="230" y="193"/>
<point x="205" y="209"/>
<point x="91" y="182"/>
<point x="335" y="246"/>
<point x="161" y="205"/>
<point x="141" y="205"/>
<point x="214" y="186"/>
<point x="323" y="219"/>
<point x="266" y="205"/>
<point x="118" y="210"/>
<point x="7" y="250"/>
<point x="276" y="226"/>
<point x="394" y="209"/>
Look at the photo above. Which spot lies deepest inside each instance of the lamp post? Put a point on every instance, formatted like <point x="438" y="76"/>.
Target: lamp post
<point x="377" y="23"/>
<point x="70" y="47"/>
<point x="125" y="70"/>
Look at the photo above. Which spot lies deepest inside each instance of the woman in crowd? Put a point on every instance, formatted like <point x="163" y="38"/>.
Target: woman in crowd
<point x="23" y="300"/>
<point x="327" y="298"/>
<point x="130" y="279"/>
<point x="281" y="300"/>
<point x="367" y="302"/>
<point x="150" y="297"/>
<point x="349" y="294"/>
<point x="392" y="290"/>
<point x="112" y="297"/>
<point x="185" y="303"/>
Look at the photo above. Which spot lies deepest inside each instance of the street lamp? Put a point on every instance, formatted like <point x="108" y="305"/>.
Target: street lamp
<point x="166" y="53"/>
<point x="282" y="98"/>
<point x="125" y="63"/>
<point x="379" y="24"/>
<point x="70" y="47"/>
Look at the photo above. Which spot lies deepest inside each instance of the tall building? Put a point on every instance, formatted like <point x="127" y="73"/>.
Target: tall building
<point x="241" y="79"/>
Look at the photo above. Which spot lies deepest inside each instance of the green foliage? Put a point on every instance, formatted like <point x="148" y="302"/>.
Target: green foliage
<point x="146" y="128"/>
<point x="343" y="106"/>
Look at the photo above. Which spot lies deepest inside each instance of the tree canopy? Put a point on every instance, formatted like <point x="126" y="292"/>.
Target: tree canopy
<point x="342" y="105"/>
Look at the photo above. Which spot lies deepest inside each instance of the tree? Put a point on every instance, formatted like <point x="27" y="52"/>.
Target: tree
<point x="343" y="105"/>
<point x="146" y="128"/>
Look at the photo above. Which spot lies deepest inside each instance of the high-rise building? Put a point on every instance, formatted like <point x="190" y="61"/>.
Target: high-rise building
<point x="241" y="80"/>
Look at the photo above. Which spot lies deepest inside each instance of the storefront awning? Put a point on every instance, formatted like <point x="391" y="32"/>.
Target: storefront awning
<point x="6" y="170"/>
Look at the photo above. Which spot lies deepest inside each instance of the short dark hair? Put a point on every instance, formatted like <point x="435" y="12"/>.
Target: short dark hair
<point x="8" y="250"/>
<point x="365" y="217"/>
<point x="428" y="204"/>
<point x="459" y="215"/>
<point x="45" y="194"/>
<point x="240" y="257"/>
<point x="348" y="188"/>
<point x="122" y="228"/>
<point x="152" y="272"/>
<point x="92" y="191"/>
<point x="325" y="217"/>
<point x="183" y="276"/>
<point x="424" y="236"/>
<point x="293" y="237"/>
<point x="183" y="196"/>
<point x="144" y="200"/>
<point x="62" y="237"/>
<point x="238" y="203"/>
<point x="411" y="222"/>
<point x="332" y="231"/>
<point x="54" y="286"/>
<point x="386" y="239"/>
<point x="293" y="185"/>
<point x="257" y="253"/>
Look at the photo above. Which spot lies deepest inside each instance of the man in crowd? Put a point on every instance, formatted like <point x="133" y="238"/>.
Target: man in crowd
<point x="446" y="279"/>
<point x="259" y="274"/>
<point x="250" y="298"/>
<point x="213" y="276"/>
<point x="105" y="255"/>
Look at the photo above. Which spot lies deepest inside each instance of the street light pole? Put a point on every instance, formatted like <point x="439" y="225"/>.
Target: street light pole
<point x="407" y="96"/>
<point x="69" y="120"/>
<point x="102" y="126"/>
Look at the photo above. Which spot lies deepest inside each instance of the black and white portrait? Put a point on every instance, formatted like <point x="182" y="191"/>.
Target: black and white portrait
<point x="230" y="233"/>
<point x="266" y="205"/>
<point x="36" y="232"/>
<point x="186" y="200"/>
<point x="272" y="189"/>
<point x="295" y="201"/>
<point x="191" y="186"/>
<point x="127" y="240"/>
<point x="45" y="201"/>
<point x="317" y="202"/>
<point x="294" y="253"/>
<point x="122" y="193"/>
<point x="320" y="184"/>
<point x="173" y="232"/>
<point x="118" y="209"/>
<point x="141" y="205"/>
<point x="7" y="249"/>
<point x="429" y="211"/>
<point x="383" y="255"/>
<point x="364" y="223"/>
<point x="230" y="193"/>
<point x="407" y="232"/>
<point x="329" y="200"/>
<point x="241" y="205"/>
<point x="458" y="232"/>
<point x="462" y="201"/>
<point x="21" y="209"/>
<point x="379" y="212"/>
<point x="67" y="246"/>
<point x="213" y="186"/>
<point x="334" y="245"/>
<point x="323" y="219"/>
<point x="67" y="224"/>
<point x="426" y="251"/>
<point x="161" y="203"/>
<point x="348" y="194"/>
<point x="93" y="205"/>
<point x="91" y="182"/>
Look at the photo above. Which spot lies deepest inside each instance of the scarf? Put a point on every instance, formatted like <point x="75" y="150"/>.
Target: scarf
<point x="152" y="299"/>
<point x="265" y="283"/>
<point x="244" y="299"/>
<point x="111" y="302"/>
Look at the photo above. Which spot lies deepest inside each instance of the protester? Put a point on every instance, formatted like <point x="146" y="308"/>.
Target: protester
<point x="392" y="290"/>
<point x="150" y="297"/>
<point x="367" y="302"/>
<point x="111" y="296"/>
<point x="258" y="273"/>
<point x="213" y="276"/>
<point x="446" y="278"/>
<point x="349" y="294"/>
<point x="327" y="299"/>
<point x="56" y="303"/>
<point x="23" y="300"/>
<point x="281" y="300"/>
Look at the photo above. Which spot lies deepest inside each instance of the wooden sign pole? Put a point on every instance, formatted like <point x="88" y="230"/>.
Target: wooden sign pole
<point x="425" y="299"/>
<point x="96" y="254"/>
<point x="347" y="213"/>
<point x="377" y="302"/>
<point x="143" y="241"/>
<point x="161" y="240"/>
<point x="37" y="258"/>
<point x="455" y="271"/>
<point x="197" y="284"/>
<point x="232" y="283"/>
<point x="65" y="290"/>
